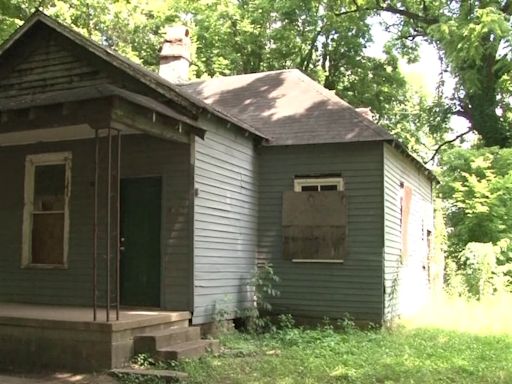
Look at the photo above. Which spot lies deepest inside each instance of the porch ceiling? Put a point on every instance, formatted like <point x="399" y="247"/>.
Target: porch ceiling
<point x="63" y="116"/>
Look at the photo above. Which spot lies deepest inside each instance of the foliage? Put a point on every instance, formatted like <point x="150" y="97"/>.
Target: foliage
<point x="263" y="285"/>
<point x="475" y="41"/>
<point x="477" y="190"/>
<point x="452" y="341"/>
<point x="235" y="37"/>
<point x="484" y="273"/>
<point x="253" y="317"/>
<point x="476" y="185"/>
<point x="324" y="355"/>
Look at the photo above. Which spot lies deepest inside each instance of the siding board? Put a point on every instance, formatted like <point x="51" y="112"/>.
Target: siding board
<point x="225" y="225"/>
<point x="50" y="67"/>
<point x="142" y="156"/>
<point x="318" y="289"/>
<point x="405" y="284"/>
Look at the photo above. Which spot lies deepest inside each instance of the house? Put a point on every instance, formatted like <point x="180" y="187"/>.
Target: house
<point x="157" y="200"/>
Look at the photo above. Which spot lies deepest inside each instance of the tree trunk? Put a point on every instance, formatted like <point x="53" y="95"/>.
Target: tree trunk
<point x="484" y="118"/>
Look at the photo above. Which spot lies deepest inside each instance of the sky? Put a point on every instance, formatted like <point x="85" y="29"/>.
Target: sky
<point x="423" y="74"/>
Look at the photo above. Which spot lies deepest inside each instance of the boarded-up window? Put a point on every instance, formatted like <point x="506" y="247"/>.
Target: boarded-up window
<point x="314" y="225"/>
<point x="45" y="224"/>
<point x="405" y="209"/>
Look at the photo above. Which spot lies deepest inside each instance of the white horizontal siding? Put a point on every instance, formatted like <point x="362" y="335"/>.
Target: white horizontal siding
<point x="405" y="284"/>
<point x="225" y="221"/>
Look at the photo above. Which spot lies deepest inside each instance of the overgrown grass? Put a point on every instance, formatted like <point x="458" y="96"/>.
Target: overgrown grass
<point x="447" y="348"/>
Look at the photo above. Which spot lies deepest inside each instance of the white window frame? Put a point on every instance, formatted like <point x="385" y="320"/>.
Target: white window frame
<point x="298" y="183"/>
<point x="31" y="162"/>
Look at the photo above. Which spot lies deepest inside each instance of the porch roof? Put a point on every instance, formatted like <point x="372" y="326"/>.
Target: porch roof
<point x="97" y="92"/>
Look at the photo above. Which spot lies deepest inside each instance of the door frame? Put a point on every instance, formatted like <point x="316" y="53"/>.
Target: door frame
<point x="163" y="209"/>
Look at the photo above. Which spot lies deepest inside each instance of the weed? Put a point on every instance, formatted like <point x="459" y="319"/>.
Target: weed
<point x="421" y="352"/>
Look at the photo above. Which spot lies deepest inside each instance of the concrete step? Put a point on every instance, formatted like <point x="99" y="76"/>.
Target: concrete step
<point x="188" y="349"/>
<point x="165" y="338"/>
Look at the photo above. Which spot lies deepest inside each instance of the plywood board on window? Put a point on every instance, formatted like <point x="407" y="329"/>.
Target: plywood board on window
<point x="48" y="238"/>
<point x="326" y="208"/>
<point x="314" y="243"/>
<point x="314" y="225"/>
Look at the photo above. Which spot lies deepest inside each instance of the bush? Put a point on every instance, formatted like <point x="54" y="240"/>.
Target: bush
<point x="485" y="270"/>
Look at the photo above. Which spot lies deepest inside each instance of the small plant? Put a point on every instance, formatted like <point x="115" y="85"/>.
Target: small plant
<point x="222" y="315"/>
<point x="262" y="282"/>
<point x="143" y="360"/>
<point x="285" y="322"/>
<point x="347" y="322"/>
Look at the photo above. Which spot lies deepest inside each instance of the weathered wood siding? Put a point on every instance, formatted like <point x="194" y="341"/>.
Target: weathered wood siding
<point x="142" y="156"/>
<point x="225" y="224"/>
<point x="406" y="283"/>
<point x="50" y="67"/>
<point x="320" y="289"/>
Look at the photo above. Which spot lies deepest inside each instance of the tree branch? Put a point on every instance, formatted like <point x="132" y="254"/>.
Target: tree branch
<point x="306" y="60"/>
<point x="460" y="135"/>
<point x="462" y="113"/>
<point x="391" y="9"/>
<point x="507" y="8"/>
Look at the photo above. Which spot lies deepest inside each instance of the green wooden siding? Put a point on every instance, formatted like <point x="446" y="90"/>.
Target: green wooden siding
<point x="50" y="67"/>
<point x="325" y="289"/>
<point x="142" y="156"/>
<point x="225" y="220"/>
<point x="405" y="283"/>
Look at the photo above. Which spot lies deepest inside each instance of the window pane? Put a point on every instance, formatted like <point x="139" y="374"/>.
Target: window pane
<point x="49" y="185"/>
<point x="309" y="188"/>
<point x="330" y="187"/>
<point x="48" y="238"/>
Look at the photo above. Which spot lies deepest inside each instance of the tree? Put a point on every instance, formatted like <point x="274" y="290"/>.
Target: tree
<point x="244" y="36"/>
<point x="477" y="187"/>
<point x="475" y="40"/>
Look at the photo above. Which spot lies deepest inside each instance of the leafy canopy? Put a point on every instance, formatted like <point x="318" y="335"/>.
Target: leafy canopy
<point x="242" y="36"/>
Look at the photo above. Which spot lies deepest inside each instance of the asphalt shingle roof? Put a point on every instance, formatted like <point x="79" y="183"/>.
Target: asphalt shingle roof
<point x="287" y="107"/>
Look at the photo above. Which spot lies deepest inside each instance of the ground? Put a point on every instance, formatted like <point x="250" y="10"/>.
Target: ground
<point x="452" y="341"/>
<point x="57" y="378"/>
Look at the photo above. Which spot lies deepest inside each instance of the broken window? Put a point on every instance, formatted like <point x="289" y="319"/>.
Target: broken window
<point x="46" y="216"/>
<point x="314" y="220"/>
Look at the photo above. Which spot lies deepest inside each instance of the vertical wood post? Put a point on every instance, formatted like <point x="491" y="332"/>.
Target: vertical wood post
<point x="95" y="228"/>
<point x="118" y="222"/>
<point x="109" y="224"/>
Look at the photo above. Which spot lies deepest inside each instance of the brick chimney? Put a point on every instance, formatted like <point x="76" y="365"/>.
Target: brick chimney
<point x="175" y="55"/>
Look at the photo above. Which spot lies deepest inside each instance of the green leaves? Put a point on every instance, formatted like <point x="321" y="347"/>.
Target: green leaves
<point x="475" y="40"/>
<point x="477" y="188"/>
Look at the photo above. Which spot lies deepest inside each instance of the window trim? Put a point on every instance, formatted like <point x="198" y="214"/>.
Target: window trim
<point x="300" y="182"/>
<point x="31" y="162"/>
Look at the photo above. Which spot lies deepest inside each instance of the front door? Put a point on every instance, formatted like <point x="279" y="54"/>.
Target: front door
<point x="140" y="240"/>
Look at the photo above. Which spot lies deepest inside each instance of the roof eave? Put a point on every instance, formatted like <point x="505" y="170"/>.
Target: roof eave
<point x="396" y="144"/>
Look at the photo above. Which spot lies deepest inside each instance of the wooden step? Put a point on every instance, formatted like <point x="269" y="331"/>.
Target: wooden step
<point x="165" y="338"/>
<point x="188" y="349"/>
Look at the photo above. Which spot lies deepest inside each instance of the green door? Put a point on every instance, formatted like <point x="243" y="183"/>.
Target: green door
<point x="140" y="241"/>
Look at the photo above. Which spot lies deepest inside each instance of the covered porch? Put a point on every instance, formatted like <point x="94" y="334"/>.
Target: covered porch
<point x="39" y="337"/>
<point x="105" y="136"/>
